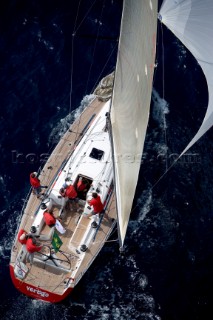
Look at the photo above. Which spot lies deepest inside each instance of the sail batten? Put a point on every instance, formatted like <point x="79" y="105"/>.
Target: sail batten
<point x="191" y="21"/>
<point x="131" y="99"/>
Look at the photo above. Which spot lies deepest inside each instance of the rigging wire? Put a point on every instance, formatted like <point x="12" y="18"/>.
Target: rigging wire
<point x="72" y="56"/>
<point x="94" y="49"/>
<point x="164" y="117"/>
<point x="85" y="15"/>
<point x="101" y="73"/>
<point x="163" y="95"/>
<point x="76" y="28"/>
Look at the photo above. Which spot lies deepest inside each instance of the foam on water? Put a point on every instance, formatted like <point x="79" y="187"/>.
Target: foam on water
<point x="144" y="203"/>
<point x="59" y="130"/>
<point x="160" y="108"/>
<point x="7" y="229"/>
<point x="181" y="54"/>
<point x="156" y="148"/>
<point x="39" y="310"/>
<point x="33" y="309"/>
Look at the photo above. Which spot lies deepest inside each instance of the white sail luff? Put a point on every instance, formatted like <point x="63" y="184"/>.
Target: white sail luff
<point x="131" y="99"/>
<point x="192" y="22"/>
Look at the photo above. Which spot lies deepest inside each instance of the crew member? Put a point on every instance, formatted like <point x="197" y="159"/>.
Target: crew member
<point x="68" y="193"/>
<point x="96" y="203"/>
<point x="49" y="218"/>
<point x="32" y="247"/>
<point x="82" y="186"/>
<point x="36" y="185"/>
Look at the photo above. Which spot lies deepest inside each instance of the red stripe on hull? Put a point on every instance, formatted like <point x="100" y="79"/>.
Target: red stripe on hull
<point x="37" y="293"/>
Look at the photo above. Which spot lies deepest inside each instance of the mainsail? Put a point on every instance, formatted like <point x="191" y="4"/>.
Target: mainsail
<point x="192" y="22"/>
<point x="131" y="99"/>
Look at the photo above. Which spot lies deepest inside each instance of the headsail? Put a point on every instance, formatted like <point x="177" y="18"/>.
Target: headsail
<point x="131" y="99"/>
<point x="192" y="22"/>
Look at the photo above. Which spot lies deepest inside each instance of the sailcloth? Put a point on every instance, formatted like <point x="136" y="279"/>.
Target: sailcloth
<point x="192" y="22"/>
<point x="131" y="99"/>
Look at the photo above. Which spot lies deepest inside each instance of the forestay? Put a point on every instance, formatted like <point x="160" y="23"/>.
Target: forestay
<point x="131" y="99"/>
<point x="192" y="22"/>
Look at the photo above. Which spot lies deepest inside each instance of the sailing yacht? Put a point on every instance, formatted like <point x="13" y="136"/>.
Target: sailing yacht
<point x="104" y="148"/>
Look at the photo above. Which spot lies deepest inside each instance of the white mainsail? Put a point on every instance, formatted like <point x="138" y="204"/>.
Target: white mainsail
<point x="192" y="22"/>
<point x="131" y="99"/>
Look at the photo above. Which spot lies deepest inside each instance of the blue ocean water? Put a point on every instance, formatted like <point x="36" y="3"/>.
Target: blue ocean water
<point x="166" y="272"/>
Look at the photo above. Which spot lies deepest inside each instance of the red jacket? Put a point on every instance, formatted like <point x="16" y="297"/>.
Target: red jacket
<point x="35" y="182"/>
<point x="49" y="218"/>
<point x="70" y="192"/>
<point x="81" y="186"/>
<point x="22" y="231"/>
<point x="31" y="247"/>
<point x="97" y="204"/>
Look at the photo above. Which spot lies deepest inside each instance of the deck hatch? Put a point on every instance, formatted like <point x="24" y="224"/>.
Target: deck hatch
<point x="96" y="154"/>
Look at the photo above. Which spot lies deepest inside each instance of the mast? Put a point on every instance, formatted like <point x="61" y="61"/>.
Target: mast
<point x="109" y="124"/>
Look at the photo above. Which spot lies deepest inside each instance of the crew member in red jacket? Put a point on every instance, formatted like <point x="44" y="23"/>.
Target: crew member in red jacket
<point x="49" y="218"/>
<point x="82" y="187"/>
<point x="35" y="183"/>
<point x="32" y="247"/>
<point x="68" y="193"/>
<point x="96" y="203"/>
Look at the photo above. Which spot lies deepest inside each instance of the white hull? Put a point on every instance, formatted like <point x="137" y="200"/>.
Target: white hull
<point x="87" y="154"/>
